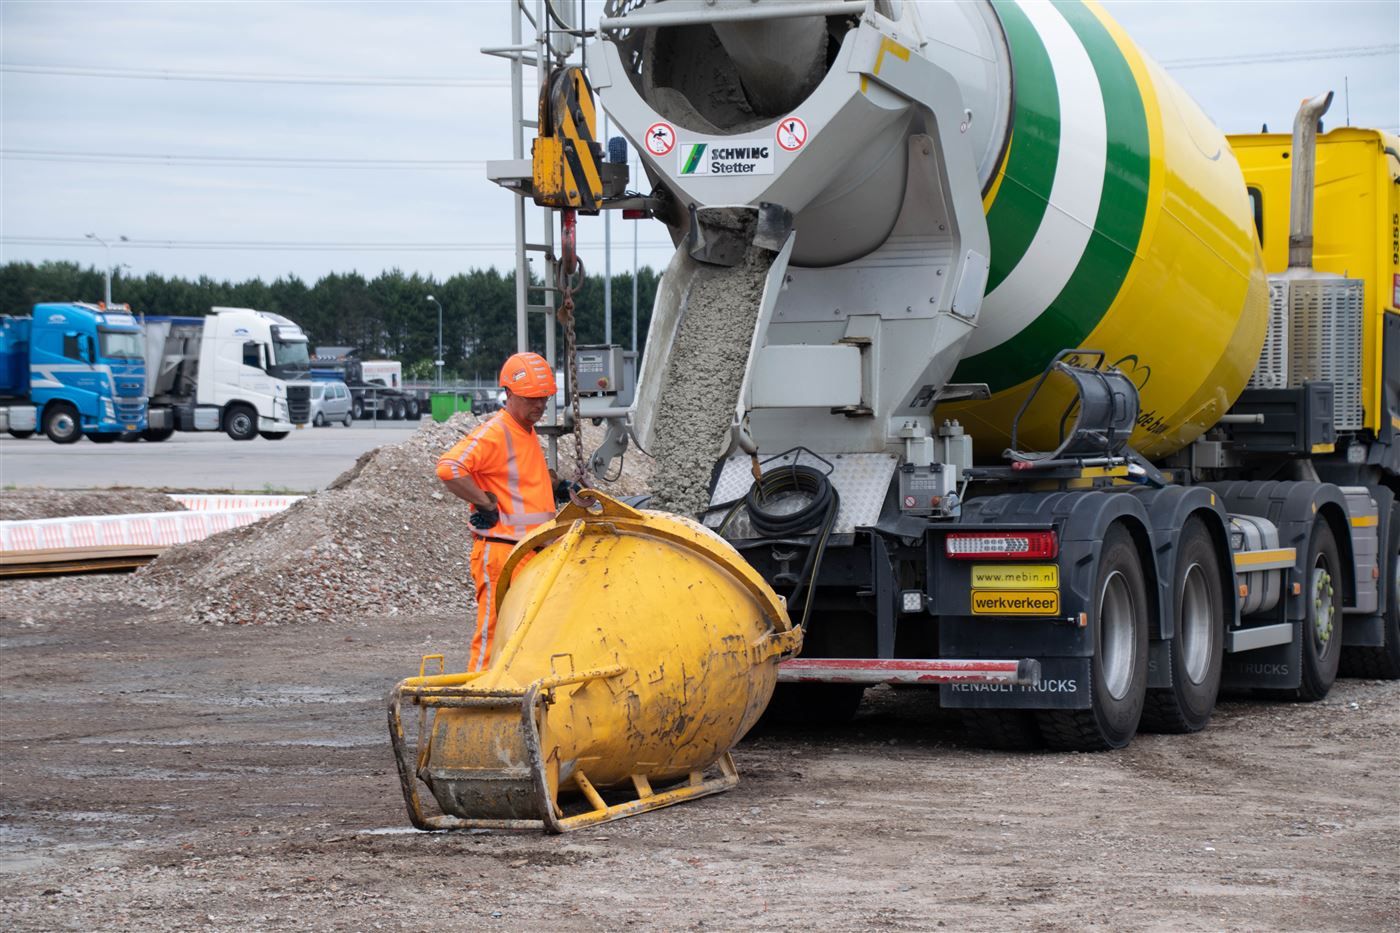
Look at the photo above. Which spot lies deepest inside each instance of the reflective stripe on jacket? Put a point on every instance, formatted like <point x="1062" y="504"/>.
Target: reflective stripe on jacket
<point x="504" y="458"/>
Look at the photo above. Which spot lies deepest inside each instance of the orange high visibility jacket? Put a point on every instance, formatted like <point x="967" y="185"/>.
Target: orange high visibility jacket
<point x="504" y="458"/>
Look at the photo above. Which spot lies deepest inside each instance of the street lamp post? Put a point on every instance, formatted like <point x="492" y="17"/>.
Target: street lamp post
<point x="106" y="266"/>
<point x="439" y="353"/>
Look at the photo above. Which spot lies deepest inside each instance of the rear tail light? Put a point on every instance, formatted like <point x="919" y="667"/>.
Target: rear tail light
<point x="1003" y="545"/>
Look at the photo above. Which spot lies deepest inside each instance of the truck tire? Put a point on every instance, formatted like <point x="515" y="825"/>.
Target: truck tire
<point x="21" y="435"/>
<point x="156" y="435"/>
<point x="1118" y="670"/>
<point x="357" y="409"/>
<point x="414" y="411"/>
<point x="1003" y="729"/>
<point x="61" y="423"/>
<point x="103" y="437"/>
<point x="1324" y="589"/>
<point x="241" y="423"/>
<point x="1381" y="663"/>
<point x="1197" y="646"/>
<point x="273" y="435"/>
<point x="399" y="409"/>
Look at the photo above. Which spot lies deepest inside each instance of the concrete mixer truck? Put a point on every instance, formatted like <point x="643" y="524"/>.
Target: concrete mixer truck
<point x="998" y="288"/>
<point x="969" y="347"/>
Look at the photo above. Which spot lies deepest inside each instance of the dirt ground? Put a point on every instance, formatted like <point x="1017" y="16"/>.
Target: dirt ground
<point x="161" y="775"/>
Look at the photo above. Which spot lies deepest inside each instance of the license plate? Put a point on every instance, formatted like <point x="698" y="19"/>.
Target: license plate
<point x="1015" y="602"/>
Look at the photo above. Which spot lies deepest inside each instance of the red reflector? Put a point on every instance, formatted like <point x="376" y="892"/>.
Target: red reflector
<point x="1003" y="545"/>
<point x="632" y="213"/>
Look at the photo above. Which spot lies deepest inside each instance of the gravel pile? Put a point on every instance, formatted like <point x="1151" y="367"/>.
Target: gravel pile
<point x="385" y="538"/>
<point x="22" y="504"/>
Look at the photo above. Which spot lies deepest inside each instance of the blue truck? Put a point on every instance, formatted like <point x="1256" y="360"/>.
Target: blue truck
<point x="72" y="369"/>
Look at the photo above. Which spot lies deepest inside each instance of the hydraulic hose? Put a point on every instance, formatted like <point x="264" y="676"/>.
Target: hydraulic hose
<point x="817" y="517"/>
<point x="784" y="479"/>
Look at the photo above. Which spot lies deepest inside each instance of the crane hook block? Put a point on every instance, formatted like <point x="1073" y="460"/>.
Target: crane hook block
<point x="567" y="161"/>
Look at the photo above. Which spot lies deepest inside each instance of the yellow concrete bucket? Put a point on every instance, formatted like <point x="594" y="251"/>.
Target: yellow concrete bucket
<point x="633" y="649"/>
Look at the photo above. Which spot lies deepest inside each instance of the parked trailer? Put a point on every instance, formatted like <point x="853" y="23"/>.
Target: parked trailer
<point x="72" y="369"/>
<point x="237" y="370"/>
<point x="376" y="386"/>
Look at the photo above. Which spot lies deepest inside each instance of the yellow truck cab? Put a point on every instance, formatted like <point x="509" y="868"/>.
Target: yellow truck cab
<point x="1356" y="234"/>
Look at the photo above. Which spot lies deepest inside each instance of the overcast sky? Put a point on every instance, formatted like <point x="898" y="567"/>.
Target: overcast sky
<point x="197" y="165"/>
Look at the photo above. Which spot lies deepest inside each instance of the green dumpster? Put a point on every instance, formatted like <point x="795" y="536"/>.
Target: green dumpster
<point x="447" y="404"/>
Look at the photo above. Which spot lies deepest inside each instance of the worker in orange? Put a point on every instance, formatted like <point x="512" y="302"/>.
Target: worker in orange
<point x="501" y="471"/>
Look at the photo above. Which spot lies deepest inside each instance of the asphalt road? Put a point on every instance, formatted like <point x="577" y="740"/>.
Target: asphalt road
<point x="305" y="461"/>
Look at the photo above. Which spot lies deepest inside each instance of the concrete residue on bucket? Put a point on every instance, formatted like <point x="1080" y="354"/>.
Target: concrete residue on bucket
<point x="704" y="374"/>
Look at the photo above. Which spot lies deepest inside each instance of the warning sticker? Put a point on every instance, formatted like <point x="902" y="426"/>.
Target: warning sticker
<point x="661" y="139"/>
<point x="792" y="134"/>
<point x="731" y="157"/>
<point x="1015" y="602"/>
<point x="1015" y="576"/>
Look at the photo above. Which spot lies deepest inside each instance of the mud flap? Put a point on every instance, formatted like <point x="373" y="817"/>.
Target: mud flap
<point x="1064" y="684"/>
<point x="1278" y="667"/>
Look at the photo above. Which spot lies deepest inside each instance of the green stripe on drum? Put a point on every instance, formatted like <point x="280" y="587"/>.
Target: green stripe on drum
<point x="1015" y="214"/>
<point x="1109" y="255"/>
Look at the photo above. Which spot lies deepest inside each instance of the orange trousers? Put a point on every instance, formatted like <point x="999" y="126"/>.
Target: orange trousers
<point x="488" y="560"/>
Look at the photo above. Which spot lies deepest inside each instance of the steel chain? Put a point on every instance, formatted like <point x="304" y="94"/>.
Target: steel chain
<point x="570" y="275"/>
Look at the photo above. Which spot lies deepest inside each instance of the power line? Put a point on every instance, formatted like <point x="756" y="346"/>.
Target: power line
<point x="1268" y="58"/>
<point x="235" y="77"/>
<point x="292" y="246"/>
<point x="156" y="158"/>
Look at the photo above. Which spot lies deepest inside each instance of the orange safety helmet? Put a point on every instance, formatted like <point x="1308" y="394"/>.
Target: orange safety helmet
<point x="528" y="375"/>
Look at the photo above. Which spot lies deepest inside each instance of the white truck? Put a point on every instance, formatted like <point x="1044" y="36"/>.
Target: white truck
<point x="237" y="370"/>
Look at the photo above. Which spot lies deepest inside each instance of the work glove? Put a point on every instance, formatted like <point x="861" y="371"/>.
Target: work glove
<point x="484" y="519"/>
<point x="563" y="488"/>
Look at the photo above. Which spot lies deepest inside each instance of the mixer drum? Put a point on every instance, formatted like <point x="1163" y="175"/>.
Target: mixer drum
<point x="1168" y="281"/>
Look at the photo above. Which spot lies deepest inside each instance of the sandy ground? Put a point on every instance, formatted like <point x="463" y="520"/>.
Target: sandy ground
<point x="160" y="775"/>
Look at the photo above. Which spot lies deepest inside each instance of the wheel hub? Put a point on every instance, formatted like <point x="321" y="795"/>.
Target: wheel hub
<point x="1324" y="605"/>
<point x="1116" y="632"/>
<point x="1195" y="624"/>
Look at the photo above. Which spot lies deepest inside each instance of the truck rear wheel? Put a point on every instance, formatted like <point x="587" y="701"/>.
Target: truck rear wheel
<point x="1324" y="589"/>
<point x="61" y="423"/>
<point x="414" y="412"/>
<point x="1118" y="671"/>
<point x="241" y="423"/>
<point x="1381" y="663"/>
<point x="1197" y="646"/>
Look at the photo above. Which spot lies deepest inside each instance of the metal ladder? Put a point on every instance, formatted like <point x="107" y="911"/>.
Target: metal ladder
<point x="550" y="46"/>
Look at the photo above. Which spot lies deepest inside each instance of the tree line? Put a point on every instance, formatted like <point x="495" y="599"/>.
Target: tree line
<point x="386" y="317"/>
